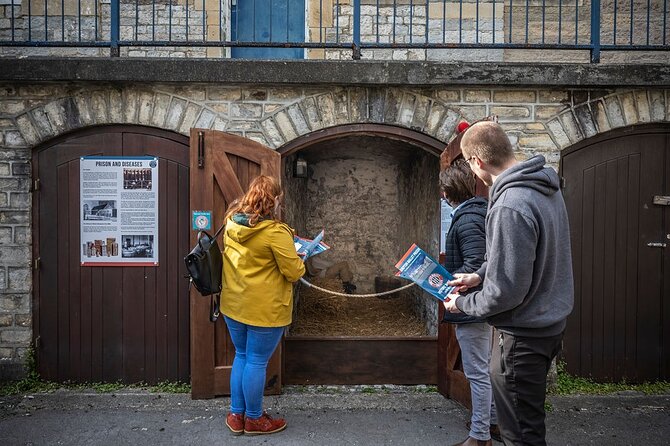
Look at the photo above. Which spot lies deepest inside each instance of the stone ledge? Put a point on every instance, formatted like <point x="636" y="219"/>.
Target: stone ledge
<point x="311" y="72"/>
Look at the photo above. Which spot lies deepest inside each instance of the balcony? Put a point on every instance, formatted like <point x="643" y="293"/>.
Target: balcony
<point x="607" y="31"/>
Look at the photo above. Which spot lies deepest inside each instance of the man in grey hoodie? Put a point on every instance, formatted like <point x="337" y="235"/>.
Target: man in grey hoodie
<point x="527" y="291"/>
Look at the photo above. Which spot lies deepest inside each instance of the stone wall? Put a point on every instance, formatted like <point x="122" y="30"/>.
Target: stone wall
<point x="538" y="121"/>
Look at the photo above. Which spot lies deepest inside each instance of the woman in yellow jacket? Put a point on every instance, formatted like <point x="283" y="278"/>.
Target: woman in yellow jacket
<point x="259" y="265"/>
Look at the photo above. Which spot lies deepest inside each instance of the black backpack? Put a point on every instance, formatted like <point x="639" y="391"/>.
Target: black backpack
<point x="205" y="269"/>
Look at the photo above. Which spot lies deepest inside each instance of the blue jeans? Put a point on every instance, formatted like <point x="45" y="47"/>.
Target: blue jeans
<point x="475" y="342"/>
<point x="253" y="348"/>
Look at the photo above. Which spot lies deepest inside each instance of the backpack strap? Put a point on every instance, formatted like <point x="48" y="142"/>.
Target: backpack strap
<point x="215" y="299"/>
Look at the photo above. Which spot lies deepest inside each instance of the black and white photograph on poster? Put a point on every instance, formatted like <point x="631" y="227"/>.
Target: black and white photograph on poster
<point x="137" y="178"/>
<point x="137" y="246"/>
<point x="100" y="210"/>
<point x="118" y="198"/>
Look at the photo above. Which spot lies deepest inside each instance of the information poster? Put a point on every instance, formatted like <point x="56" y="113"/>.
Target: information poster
<point x="119" y="211"/>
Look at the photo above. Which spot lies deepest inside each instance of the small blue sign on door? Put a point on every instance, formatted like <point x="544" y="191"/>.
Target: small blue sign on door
<point x="202" y="220"/>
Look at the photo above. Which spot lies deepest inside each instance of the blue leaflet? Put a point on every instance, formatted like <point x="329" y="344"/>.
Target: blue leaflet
<point x="422" y="269"/>
<point x="307" y="248"/>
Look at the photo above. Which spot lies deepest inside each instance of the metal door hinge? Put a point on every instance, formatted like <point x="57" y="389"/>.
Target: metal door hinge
<point x="36" y="263"/>
<point x="562" y="182"/>
<point x="36" y="184"/>
<point x="201" y="150"/>
<point x="662" y="200"/>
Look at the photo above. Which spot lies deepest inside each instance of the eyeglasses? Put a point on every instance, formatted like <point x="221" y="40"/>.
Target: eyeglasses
<point x="471" y="158"/>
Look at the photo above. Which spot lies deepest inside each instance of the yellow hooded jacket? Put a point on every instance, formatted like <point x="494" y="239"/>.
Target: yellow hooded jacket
<point x="259" y="265"/>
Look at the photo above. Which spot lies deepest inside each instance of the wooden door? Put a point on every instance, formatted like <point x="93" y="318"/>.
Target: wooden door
<point x="222" y="166"/>
<point x="620" y="326"/>
<point x="101" y="323"/>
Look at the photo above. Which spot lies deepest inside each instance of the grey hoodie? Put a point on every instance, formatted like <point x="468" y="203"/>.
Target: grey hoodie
<point x="528" y="288"/>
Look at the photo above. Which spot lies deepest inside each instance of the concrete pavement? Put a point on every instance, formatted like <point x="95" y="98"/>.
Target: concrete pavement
<point x="333" y="415"/>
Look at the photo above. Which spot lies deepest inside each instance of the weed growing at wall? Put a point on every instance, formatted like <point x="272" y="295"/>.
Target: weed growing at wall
<point x="567" y="384"/>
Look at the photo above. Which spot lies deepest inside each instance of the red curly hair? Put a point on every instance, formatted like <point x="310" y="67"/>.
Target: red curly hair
<point x="259" y="201"/>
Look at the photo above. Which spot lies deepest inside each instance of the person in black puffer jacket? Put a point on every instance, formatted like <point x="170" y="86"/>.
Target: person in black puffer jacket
<point x="465" y="248"/>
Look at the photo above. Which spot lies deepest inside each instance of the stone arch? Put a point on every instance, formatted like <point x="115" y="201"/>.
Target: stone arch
<point x="150" y="108"/>
<point x="619" y="109"/>
<point x="358" y="105"/>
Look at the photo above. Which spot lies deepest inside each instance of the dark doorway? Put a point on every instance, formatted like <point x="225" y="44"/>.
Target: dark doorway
<point x="620" y="235"/>
<point x="101" y="323"/>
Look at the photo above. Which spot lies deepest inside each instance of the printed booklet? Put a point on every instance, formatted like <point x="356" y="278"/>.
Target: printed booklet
<point x="426" y="272"/>
<point x="307" y="248"/>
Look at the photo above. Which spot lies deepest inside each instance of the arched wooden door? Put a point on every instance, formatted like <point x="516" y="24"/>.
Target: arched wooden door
<point x="617" y="191"/>
<point x="222" y="166"/>
<point x="102" y="323"/>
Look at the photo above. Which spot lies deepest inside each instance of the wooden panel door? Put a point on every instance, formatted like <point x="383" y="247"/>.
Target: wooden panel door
<point x="108" y="324"/>
<point x="222" y="166"/>
<point x="619" y="326"/>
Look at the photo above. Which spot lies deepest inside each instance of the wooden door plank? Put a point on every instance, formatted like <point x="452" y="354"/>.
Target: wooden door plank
<point x="73" y="256"/>
<point x="620" y="272"/>
<point x="63" y="313"/>
<point x="609" y="268"/>
<point x="585" y="296"/>
<point x="632" y="248"/>
<point x="183" y="230"/>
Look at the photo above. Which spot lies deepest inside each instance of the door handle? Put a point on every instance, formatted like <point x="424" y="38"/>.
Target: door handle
<point x="657" y="244"/>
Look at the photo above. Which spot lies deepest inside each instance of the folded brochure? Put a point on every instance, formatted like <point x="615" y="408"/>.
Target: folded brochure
<point x="426" y="272"/>
<point x="307" y="248"/>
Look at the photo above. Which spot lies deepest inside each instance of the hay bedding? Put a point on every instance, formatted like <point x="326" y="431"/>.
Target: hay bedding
<point x="322" y="314"/>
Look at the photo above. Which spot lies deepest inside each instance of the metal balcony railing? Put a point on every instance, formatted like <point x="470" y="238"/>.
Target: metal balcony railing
<point x="337" y="28"/>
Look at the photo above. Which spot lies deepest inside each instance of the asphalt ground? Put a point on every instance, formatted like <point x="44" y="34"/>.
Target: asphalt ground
<point x="316" y="415"/>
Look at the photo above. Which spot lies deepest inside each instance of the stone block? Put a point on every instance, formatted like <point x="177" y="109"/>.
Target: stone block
<point x="3" y="278"/>
<point x="326" y="107"/>
<point x="629" y="109"/>
<point x="284" y="125"/>
<point x="435" y="117"/>
<point x="600" y="115"/>
<point x="406" y="110"/>
<point x="6" y="354"/>
<point x="446" y="129"/>
<point x="99" y="107"/>
<point x="535" y="141"/>
<point x="272" y="133"/>
<point x="657" y="105"/>
<point x="358" y="104"/>
<point x="421" y="110"/>
<point x="472" y="113"/>
<point x="15" y="303"/>
<point x="116" y="106"/>
<point x="22" y="235"/>
<point x="205" y="120"/>
<point x="6" y="235"/>
<point x="269" y="109"/>
<point x="84" y="107"/>
<point x="23" y="320"/>
<point x="12" y="184"/>
<point x="19" y="279"/>
<point x="190" y="115"/>
<point x="341" y="103"/>
<point x="219" y="124"/>
<point x="298" y="120"/>
<point x="6" y="320"/>
<point x="553" y="97"/>
<point x="245" y="110"/>
<point x="511" y="113"/>
<point x="224" y="93"/>
<point x="585" y="120"/>
<point x="12" y="107"/>
<point x="42" y="124"/>
<point x="311" y="112"/>
<point x="21" y="168"/>
<point x="4" y="169"/>
<point x="19" y="200"/>
<point x="558" y="133"/>
<point x="145" y="108"/>
<point x="514" y="96"/>
<point x="571" y="127"/>
<point x="221" y="108"/>
<point x="642" y="102"/>
<point x="392" y="105"/>
<point x="175" y="113"/>
<point x="545" y="112"/>
<point x="258" y="137"/>
<point x="4" y="200"/>
<point x="449" y="95"/>
<point x="14" y="217"/>
<point x="130" y="98"/>
<point x="477" y="96"/>
<point x="614" y="112"/>
<point x="161" y="104"/>
<point x="376" y="100"/>
<point x="27" y="129"/>
<point x="15" y="336"/>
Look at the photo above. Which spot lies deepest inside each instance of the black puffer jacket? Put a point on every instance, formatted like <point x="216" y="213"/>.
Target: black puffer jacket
<point x="465" y="243"/>
<point x="465" y="246"/>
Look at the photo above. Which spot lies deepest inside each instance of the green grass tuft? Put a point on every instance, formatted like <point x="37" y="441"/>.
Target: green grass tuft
<point x="567" y="384"/>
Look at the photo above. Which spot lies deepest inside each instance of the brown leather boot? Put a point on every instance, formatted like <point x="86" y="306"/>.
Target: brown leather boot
<point x="235" y="422"/>
<point x="474" y="442"/>
<point x="264" y="424"/>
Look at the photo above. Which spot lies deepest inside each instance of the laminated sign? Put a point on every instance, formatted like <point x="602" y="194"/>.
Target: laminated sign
<point x="119" y="210"/>
<point x="426" y="272"/>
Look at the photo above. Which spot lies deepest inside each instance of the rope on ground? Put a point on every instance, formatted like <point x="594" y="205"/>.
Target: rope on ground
<point x="336" y="293"/>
